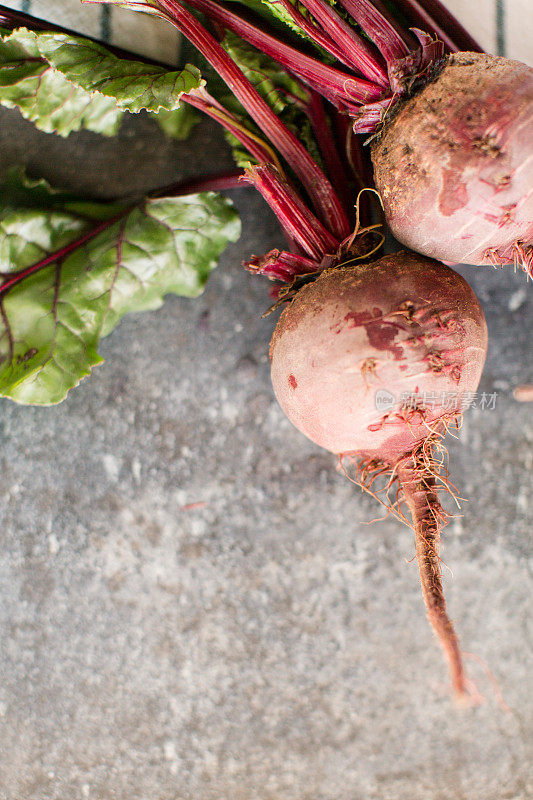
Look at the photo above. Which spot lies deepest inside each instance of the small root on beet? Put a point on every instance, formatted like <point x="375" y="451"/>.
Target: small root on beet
<point x="419" y="477"/>
<point x="420" y="492"/>
<point x="368" y="369"/>
<point x="522" y="258"/>
<point x="367" y="472"/>
<point x="492" y="679"/>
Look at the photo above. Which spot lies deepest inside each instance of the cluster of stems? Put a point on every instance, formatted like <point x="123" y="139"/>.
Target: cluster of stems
<point x="373" y="61"/>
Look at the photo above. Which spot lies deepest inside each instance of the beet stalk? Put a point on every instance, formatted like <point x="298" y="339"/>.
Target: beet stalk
<point x="313" y="179"/>
<point x="453" y="130"/>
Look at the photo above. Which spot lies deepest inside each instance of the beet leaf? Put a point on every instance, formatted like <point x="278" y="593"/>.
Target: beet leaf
<point x="64" y="83"/>
<point x="71" y="269"/>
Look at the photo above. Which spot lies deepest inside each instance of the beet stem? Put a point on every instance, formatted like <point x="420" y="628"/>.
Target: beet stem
<point x="378" y="28"/>
<point x="339" y="87"/>
<point x="406" y="35"/>
<point x="258" y="149"/>
<point x="315" y="33"/>
<point x="362" y="55"/>
<point x="432" y="16"/>
<point x="294" y="216"/>
<point x="281" y="266"/>
<point x="211" y="182"/>
<point x="303" y="230"/>
<point x="325" y="200"/>
<point x="325" y="138"/>
<point x="420" y="494"/>
<point x="358" y="159"/>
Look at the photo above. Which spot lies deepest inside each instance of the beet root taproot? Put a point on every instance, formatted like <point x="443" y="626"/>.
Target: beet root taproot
<point x="373" y="363"/>
<point x="454" y="165"/>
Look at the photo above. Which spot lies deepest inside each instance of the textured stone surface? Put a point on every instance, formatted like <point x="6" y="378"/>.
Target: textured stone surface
<point x="267" y="644"/>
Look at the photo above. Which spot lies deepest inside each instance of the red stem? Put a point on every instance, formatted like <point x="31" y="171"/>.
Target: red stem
<point x="293" y="214"/>
<point x="358" y="160"/>
<point x="212" y="182"/>
<point x="362" y="56"/>
<point x="315" y="33"/>
<point x="204" y="102"/>
<point x="201" y="100"/>
<point x="320" y="190"/>
<point x="206" y="183"/>
<point x="338" y="86"/>
<point x="281" y="266"/>
<point x="432" y="16"/>
<point x="378" y="28"/>
<point x="19" y="276"/>
<point x="406" y="35"/>
<point x="328" y="148"/>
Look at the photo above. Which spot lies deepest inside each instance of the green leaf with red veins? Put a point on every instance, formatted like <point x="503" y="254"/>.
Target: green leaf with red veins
<point x="52" y="319"/>
<point x="133" y="85"/>
<point x="64" y="83"/>
<point x="28" y="82"/>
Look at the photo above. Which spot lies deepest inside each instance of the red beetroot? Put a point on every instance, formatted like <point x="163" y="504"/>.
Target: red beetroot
<point x="454" y="166"/>
<point x="350" y="355"/>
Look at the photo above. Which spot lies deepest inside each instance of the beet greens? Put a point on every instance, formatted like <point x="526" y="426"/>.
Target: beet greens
<point x="383" y="76"/>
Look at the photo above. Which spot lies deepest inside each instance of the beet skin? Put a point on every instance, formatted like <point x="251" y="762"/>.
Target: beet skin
<point x="357" y="342"/>
<point x="454" y="166"/>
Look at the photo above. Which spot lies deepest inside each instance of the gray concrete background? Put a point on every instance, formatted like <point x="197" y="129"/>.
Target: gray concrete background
<point x="268" y="644"/>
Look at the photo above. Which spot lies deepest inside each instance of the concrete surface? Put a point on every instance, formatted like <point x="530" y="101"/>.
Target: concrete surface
<point x="266" y="644"/>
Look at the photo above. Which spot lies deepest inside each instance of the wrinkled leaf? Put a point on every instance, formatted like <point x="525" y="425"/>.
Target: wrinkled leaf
<point x="45" y="97"/>
<point x="64" y="83"/>
<point x="132" y="84"/>
<point x="52" y="319"/>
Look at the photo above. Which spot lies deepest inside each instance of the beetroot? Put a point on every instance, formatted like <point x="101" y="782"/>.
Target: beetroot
<point x="454" y="166"/>
<point x="374" y="362"/>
